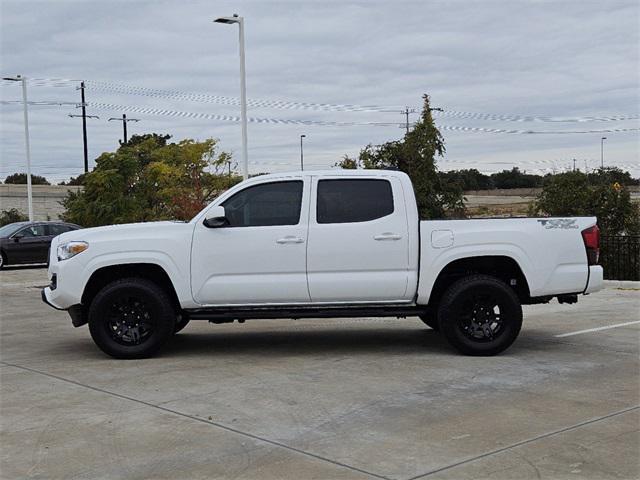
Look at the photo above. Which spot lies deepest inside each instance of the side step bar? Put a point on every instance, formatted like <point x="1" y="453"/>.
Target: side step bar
<point x="229" y="314"/>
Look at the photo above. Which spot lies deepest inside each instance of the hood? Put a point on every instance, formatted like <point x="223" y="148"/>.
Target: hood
<point x="129" y="231"/>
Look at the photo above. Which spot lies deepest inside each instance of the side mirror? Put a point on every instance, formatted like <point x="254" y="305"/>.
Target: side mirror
<point x="215" y="218"/>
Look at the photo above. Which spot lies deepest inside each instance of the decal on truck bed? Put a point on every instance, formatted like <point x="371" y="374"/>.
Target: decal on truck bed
<point x="565" y="223"/>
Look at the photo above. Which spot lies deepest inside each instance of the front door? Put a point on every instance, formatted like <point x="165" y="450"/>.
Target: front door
<point x="358" y="241"/>
<point x="30" y="245"/>
<point x="260" y="257"/>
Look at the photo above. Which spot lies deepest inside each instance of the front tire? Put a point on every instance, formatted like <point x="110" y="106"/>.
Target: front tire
<point x="480" y="315"/>
<point x="3" y="260"/>
<point x="131" y="318"/>
<point x="431" y="322"/>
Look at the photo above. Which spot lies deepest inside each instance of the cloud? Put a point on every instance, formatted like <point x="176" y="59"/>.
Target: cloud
<point x="562" y="58"/>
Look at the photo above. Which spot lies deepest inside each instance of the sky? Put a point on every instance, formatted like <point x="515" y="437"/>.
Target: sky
<point x="511" y="66"/>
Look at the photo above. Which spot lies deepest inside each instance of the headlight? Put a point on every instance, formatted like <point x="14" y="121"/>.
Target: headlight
<point x="71" y="249"/>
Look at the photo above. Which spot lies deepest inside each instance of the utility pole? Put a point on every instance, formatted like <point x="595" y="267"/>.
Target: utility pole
<point x="84" y="126"/>
<point x="124" y="121"/>
<point x="229" y="164"/>
<point x="574" y="164"/>
<point x="602" y="151"/>
<point x="408" y="111"/>
<point x="301" y="153"/>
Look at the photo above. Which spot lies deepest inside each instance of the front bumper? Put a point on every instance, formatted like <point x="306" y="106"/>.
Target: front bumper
<point x="596" y="279"/>
<point x="76" y="312"/>
<point x="46" y="300"/>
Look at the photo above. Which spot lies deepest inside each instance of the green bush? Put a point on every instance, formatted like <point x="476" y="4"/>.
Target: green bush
<point x="577" y="194"/>
<point x="11" y="216"/>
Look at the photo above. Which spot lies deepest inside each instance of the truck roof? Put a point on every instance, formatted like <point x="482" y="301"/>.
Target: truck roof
<point x="333" y="172"/>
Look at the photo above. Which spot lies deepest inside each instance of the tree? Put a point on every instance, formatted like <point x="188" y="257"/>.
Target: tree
<point x="577" y="194"/>
<point x="612" y="175"/>
<point x="147" y="179"/>
<point x="514" y="178"/>
<point x="21" y="178"/>
<point x="11" y="216"/>
<point x="415" y="155"/>
<point x="469" y="179"/>
<point x="74" y="181"/>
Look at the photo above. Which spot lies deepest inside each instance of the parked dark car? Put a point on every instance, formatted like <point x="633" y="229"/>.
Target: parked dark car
<point x="28" y="242"/>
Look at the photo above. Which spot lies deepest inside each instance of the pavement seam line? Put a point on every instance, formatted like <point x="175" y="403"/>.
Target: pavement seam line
<point x="525" y="442"/>
<point x="201" y="420"/>
<point x="597" y="329"/>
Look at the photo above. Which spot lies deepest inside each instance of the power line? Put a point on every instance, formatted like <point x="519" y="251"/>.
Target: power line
<point x="103" y="86"/>
<point x="283" y="121"/>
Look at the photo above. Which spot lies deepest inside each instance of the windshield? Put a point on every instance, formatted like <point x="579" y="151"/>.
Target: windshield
<point x="11" y="228"/>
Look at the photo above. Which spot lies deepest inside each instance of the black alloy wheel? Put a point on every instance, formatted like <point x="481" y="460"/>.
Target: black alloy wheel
<point x="480" y="315"/>
<point x="131" y="318"/>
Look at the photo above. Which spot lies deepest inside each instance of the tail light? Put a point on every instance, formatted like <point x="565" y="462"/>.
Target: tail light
<point x="591" y="239"/>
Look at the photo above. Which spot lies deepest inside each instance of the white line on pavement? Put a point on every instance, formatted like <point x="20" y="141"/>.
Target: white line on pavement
<point x="597" y="329"/>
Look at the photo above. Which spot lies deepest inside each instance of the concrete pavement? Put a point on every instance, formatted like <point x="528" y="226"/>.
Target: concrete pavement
<point x="361" y="398"/>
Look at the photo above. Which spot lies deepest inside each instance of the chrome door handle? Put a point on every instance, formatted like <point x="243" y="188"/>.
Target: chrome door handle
<point x="289" y="239"/>
<point x="387" y="236"/>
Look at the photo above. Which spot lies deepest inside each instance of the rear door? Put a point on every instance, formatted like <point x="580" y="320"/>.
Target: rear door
<point x="358" y="241"/>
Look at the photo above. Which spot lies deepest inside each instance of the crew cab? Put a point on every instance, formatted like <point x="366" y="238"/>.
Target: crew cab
<point x="338" y="243"/>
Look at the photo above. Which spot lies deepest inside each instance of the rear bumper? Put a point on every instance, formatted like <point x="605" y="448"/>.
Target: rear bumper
<point x="596" y="279"/>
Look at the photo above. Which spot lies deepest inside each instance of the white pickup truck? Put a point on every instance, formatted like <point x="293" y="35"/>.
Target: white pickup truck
<point x="310" y="244"/>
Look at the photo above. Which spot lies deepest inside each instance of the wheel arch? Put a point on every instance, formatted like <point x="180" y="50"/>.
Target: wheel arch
<point x="503" y="267"/>
<point x="149" y="271"/>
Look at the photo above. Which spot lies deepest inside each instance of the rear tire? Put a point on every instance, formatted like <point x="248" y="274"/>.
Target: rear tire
<point x="3" y="260"/>
<point x="131" y="318"/>
<point x="430" y="322"/>
<point x="480" y="315"/>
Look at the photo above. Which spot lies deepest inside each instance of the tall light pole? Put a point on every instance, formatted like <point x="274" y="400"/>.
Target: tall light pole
<point x="301" y="153"/>
<point x="27" y="146"/>
<point x="602" y="151"/>
<point x="243" y="89"/>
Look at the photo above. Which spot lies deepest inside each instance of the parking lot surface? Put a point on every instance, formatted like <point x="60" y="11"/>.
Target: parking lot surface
<point x="323" y="399"/>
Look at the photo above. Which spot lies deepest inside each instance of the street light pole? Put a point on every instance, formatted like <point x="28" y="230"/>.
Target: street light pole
<point x="301" y="153"/>
<point x="243" y="89"/>
<point x="602" y="151"/>
<point x="23" y="80"/>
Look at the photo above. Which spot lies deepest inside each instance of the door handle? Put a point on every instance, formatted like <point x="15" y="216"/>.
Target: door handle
<point x="387" y="236"/>
<point x="289" y="239"/>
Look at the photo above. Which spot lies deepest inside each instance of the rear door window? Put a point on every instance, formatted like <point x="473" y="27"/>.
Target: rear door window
<point x="58" y="229"/>
<point x="353" y="200"/>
